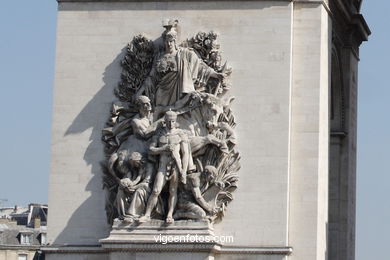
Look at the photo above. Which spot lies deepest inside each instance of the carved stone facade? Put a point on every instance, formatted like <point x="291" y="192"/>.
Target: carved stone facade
<point x="170" y="140"/>
<point x="164" y="141"/>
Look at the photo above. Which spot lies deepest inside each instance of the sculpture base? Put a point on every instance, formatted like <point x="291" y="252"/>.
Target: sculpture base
<point x="157" y="231"/>
<point x="183" y="239"/>
<point x="180" y="251"/>
<point x="186" y="237"/>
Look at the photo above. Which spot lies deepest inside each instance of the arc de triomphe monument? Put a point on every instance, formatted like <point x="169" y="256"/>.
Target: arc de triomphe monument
<point x="205" y="129"/>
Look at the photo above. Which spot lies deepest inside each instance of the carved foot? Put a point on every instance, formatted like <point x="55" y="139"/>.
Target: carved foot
<point x="210" y="210"/>
<point x="183" y="179"/>
<point x="128" y="220"/>
<point x="169" y="220"/>
<point x="144" y="219"/>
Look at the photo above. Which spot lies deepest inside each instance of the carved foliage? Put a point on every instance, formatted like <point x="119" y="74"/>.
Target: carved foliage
<point x="136" y="66"/>
<point x="211" y="114"/>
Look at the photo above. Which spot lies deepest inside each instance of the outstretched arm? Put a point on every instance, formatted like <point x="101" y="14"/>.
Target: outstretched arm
<point x="145" y="132"/>
<point x="201" y="201"/>
<point x="154" y="149"/>
<point x="185" y="150"/>
<point x="111" y="163"/>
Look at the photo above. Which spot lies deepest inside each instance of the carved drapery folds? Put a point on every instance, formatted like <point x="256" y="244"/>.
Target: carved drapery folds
<point x="170" y="140"/>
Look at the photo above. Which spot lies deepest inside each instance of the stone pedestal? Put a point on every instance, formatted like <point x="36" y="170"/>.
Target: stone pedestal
<point x="181" y="240"/>
<point x="155" y="240"/>
<point x="154" y="231"/>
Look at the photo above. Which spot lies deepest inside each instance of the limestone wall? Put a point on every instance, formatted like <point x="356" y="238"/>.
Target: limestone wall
<point x="279" y="54"/>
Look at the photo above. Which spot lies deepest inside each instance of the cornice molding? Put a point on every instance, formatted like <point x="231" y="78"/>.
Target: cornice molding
<point x="354" y="19"/>
<point x="171" y="247"/>
<point x="361" y="25"/>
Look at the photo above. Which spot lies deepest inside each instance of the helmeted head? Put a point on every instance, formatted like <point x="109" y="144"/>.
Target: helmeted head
<point x="170" y="38"/>
<point x="170" y="119"/>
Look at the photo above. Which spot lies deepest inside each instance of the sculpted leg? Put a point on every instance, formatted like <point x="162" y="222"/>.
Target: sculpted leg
<point x="141" y="195"/>
<point x="201" y="201"/>
<point x="120" y="204"/>
<point x="217" y="142"/>
<point x="172" y="197"/>
<point x="182" y="170"/>
<point x="199" y="142"/>
<point x="159" y="183"/>
<point x="135" y="204"/>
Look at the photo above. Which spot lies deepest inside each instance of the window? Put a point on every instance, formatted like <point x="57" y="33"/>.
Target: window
<point x="25" y="239"/>
<point x="22" y="257"/>
<point x="43" y="238"/>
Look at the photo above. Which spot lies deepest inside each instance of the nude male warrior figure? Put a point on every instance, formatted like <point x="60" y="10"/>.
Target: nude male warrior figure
<point x="172" y="145"/>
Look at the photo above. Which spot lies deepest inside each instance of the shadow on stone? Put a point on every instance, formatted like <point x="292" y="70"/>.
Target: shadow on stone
<point x="99" y="108"/>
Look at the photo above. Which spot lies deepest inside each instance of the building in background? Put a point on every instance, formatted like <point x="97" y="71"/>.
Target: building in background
<point x="22" y="232"/>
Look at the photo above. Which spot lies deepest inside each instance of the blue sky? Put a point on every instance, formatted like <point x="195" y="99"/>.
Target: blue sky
<point x="27" y="51"/>
<point x="373" y="167"/>
<point x="27" y="54"/>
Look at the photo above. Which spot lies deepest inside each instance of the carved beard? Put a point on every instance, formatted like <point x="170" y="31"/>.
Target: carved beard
<point x="144" y="111"/>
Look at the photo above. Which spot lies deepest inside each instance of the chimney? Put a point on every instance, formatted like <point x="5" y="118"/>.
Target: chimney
<point x="37" y="222"/>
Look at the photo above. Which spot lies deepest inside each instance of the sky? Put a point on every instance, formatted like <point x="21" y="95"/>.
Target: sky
<point x="373" y="167"/>
<point x="27" y="56"/>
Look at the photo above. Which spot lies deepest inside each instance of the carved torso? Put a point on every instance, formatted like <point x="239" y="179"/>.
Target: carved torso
<point x="140" y="125"/>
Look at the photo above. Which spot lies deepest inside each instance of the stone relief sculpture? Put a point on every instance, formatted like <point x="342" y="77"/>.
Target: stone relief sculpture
<point x="170" y="141"/>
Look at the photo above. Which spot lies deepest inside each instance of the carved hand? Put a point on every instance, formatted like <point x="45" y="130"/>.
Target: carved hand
<point x="126" y="182"/>
<point x="211" y="210"/>
<point x="218" y="75"/>
<point x="171" y="147"/>
<point x="165" y="148"/>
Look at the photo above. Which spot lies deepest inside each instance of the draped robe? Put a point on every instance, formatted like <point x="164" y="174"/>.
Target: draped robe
<point x="191" y="70"/>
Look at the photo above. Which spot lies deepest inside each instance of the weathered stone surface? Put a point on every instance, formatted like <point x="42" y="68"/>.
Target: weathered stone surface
<point x="281" y="55"/>
<point x="92" y="41"/>
<point x="171" y="128"/>
<point x="151" y="231"/>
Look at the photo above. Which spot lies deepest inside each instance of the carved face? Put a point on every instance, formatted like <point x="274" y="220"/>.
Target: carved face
<point x="170" y="122"/>
<point x="170" y="45"/>
<point x="211" y="114"/>
<point x="145" y="106"/>
<point x="211" y="173"/>
<point x="135" y="163"/>
<point x="121" y="158"/>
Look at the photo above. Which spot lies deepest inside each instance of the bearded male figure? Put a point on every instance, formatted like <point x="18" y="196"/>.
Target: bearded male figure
<point x="142" y="128"/>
